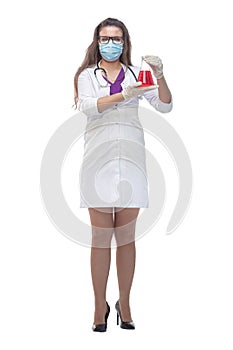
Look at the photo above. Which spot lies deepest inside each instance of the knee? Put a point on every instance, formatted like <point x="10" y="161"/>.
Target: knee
<point x="124" y="234"/>
<point x="102" y="236"/>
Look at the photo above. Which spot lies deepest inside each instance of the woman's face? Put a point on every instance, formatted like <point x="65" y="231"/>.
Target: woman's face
<point x="111" y="50"/>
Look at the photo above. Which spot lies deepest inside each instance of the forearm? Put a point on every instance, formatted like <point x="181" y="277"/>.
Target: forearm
<point x="163" y="90"/>
<point x="106" y="102"/>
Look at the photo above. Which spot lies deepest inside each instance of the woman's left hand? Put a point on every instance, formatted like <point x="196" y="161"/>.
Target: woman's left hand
<point x="156" y="65"/>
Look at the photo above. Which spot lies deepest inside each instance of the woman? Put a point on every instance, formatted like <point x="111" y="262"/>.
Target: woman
<point x="107" y="91"/>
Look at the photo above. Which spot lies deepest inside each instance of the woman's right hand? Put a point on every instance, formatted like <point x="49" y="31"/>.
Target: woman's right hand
<point x="134" y="90"/>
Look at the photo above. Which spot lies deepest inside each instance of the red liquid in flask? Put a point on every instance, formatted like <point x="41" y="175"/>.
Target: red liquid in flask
<point x="145" y="77"/>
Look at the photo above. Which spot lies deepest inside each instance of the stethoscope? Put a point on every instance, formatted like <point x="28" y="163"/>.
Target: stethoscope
<point x="104" y="71"/>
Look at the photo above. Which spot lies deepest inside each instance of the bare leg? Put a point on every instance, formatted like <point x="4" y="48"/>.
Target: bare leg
<point x="124" y="223"/>
<point x="102" y="231"/>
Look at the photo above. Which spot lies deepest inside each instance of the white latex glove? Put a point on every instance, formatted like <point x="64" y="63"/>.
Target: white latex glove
<point x="134" y="90"/>
<point x="156" y="65"/>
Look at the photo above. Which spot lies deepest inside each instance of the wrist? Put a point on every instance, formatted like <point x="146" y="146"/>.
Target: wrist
<point x="124" y="95"/>
<point x="158" y="75"/>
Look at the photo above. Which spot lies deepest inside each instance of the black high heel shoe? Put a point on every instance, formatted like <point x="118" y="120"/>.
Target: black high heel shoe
<point x="103" y="326"/>
<point x="124" y="325"/>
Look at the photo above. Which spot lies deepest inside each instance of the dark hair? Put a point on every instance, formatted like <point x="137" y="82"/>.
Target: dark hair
<point x="93" y="56"/>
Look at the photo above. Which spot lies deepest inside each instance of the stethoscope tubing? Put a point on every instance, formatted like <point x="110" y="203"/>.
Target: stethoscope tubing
<point x="103" y="70"/>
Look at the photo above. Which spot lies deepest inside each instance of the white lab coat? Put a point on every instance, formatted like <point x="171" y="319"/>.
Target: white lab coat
<point x="113" y="172"/>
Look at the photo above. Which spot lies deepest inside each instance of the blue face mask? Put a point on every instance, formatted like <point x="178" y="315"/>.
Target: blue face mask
<point x="111" y="51"/>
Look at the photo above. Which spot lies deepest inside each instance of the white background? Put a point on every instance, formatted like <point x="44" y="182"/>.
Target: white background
<point x="182" y="291"/>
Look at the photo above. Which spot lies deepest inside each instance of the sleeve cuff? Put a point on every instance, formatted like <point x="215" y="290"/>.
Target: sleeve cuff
<point x="163" y="107"/>
<point x="89" y="106"/>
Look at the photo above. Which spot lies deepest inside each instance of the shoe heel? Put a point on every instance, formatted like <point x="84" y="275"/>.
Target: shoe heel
<point x="124" y="325"/>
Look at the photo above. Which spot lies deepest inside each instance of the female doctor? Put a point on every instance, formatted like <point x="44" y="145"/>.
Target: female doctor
<point x="107" y="81"/>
